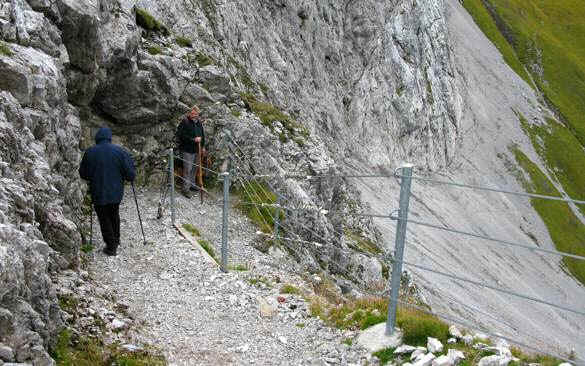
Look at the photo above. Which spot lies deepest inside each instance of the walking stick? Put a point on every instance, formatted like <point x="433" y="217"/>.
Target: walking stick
<point x="200" y="172"/>
<point x="138" y="210"/>
<point x="91" y="224"/>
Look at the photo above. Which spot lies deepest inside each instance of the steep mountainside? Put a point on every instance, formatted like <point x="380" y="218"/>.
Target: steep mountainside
<point x="310" y="87"/>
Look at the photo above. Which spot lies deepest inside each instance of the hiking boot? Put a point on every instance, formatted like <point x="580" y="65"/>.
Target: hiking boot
<point x="186" y="193"/>
<point x="107" y="251"/>
<point x="194" y="189"/>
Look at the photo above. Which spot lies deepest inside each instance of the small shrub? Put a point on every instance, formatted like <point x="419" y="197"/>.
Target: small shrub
<point x="87" y="248"/>
<point x="154" y="50"/>
<point x="385" y="355"/>
<point x="5" y="50"/>
<point x="236" y="113"/>
<point x="290" y="289"/>
<point x="204" y="60"/>
<point x="192" y="229"/>
<point x="347" y="341"/>
<point x="148" y="22"/>
<point x="184" y="42"/>
<point x="300" y="325"/>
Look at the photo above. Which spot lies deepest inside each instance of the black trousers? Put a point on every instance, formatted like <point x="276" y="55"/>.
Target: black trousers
<point x="109" y="218"/>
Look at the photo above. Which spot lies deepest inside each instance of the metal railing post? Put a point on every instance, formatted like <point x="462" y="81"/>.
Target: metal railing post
<point x="399" y="248"/>
<point x="224" y="227"/>
<point x="172" y="183"/>
<point x="277" y="218"/>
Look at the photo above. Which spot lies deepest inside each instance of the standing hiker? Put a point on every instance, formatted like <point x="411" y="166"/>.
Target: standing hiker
<point x="105" y="166"/>
<point x="190" y="135"/>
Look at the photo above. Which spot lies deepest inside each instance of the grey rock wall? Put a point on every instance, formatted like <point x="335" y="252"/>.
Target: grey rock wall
<point x="369" y="84"/>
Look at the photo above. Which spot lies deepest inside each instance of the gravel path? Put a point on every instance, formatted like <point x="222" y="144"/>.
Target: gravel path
<point x="198" y="315"/>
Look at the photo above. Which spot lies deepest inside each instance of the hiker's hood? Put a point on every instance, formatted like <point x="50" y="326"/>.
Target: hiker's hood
<point x="103" y="134"/>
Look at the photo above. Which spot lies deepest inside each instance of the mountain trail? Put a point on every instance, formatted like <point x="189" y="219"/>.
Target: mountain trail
<point x="196" y="314"/>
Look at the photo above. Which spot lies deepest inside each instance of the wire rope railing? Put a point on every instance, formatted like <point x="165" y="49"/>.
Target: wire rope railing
<point x="260" y="198"/>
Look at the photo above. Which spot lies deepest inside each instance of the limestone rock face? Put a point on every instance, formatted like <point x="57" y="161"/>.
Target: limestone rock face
<point x="39" y="187"/>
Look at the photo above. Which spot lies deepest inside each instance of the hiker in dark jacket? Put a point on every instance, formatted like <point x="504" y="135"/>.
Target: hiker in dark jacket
<point x="105" y="166"/>
<point x="190" y="134"/>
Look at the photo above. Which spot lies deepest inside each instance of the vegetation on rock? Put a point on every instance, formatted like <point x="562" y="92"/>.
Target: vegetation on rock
<point x="86" y="351"/>
<point x="184" y="42"/>
<point x="148" y="22"/>
<point x="565" y="229"/>
<point x="5" y="50"/>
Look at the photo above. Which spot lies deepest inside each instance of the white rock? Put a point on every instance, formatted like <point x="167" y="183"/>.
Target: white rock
<point x="118" y="324"/>
<point x="425" y="360"/>
<point x="434" y="345"/>
<point x="375" y="339"/>
<point x="417" y="354"/>
<point x="480" y="337"/>
<point x="282" y="340"/>
<point x="455" y="332"/>
<point x="441" y="361"/>
<point x="468" y="339"/>
<point x="565" y="364"/>
<point x="243" y="348"/>
<point x="494" y="360"/>
<point x="455" y="356"/>
<point x="404" y="349"/>
<point x="6" y="353"/>
<point x="452" y="340"/>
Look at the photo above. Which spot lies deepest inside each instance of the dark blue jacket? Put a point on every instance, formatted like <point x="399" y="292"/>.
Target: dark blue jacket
<point x="105" y="166"/>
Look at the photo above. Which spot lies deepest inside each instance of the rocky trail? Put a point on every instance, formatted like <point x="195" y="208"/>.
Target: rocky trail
<point x="180" y="302"/>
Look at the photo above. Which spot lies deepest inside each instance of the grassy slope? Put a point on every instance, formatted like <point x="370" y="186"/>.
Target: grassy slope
<point x="482" y="17"/>
<point x="565" y="229"/>
<point x="550" y="34"/>
<point x="548" y="38"/>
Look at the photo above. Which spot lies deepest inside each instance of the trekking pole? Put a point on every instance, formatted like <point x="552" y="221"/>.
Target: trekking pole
<point x="90" y="224"/>
<point x="200" y="172"/>
<point x="138" y="210"/>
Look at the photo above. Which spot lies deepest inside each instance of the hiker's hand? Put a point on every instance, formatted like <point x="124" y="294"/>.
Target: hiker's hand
<point x="197" y="139"/>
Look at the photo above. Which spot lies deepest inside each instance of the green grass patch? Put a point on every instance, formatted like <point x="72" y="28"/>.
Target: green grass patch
<point x="86" y="351"/>
<point x="258" y="281"/>
<point x="290" y="289"/>
<point x="562" y="153"/>
<point x="148" y="22"/>
<point x="347" y="341"/>
<point x="417" y="326"/>
<point x="154" y="50"/>
<point x="526" y="358"/>
<point x="236" y="112"/>
<point x="191" y="229"/>
<point x="565" y="229"/>
<point x="361" y="243"/>
<point x="68" y="303"/>
<point x="204" y="60"/>
<point x="253" y="195"/>
<point x="549" y="39"/>
<point x="184" y="42"/>
<point x="238" y="267"/>
<point x="486" y="23"/>
<point x="385" y="355"/>
<point x="269" y="114"/>
<point x="87" y="248"/>
<point x="5" y="50"/>
<point x="300" y="325"/>
<point x="208" y="248"/>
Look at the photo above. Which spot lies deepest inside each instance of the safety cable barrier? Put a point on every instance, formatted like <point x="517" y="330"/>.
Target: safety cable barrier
<point x="245" y="173"/>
